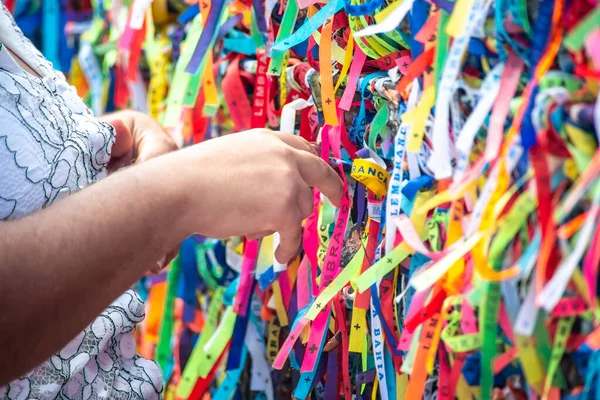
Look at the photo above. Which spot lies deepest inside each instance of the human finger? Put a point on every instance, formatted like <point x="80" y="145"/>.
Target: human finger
<point x="259" y="235"/>
<point x="115" y="164"/>
<point x="153" y="143"/>
<point x="297" y="142"/>
<point x="123" y="139"/>
<point x="289" y="242"/>
<point x="305" y="202"/>
<point x="316" y="173"/>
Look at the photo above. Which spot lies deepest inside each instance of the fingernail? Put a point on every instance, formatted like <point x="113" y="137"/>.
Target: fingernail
<point x="161" y="263"/>
<point x="285" y="260"/>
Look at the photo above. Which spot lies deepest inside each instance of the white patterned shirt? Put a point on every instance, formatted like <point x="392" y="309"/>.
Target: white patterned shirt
<point x="51" y="145"/>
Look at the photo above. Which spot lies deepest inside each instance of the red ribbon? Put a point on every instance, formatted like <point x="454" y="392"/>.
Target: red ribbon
<point x="416" y="68"/>
<point x="261" y="92"/>
<point x="235" y="96"/>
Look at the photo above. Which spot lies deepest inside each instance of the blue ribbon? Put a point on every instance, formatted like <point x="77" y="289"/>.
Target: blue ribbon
<point x="356" y="10"/>
<point x="189" y="279"/>
<point x="50" y="32"/>
<point x="417" y="18"/>
<point x="411" y="188"/>
<point x="189" y="14"/>
<point x="309" y="26"/>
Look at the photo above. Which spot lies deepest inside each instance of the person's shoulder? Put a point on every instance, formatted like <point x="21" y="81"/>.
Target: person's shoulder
<point x="8" y="25"/>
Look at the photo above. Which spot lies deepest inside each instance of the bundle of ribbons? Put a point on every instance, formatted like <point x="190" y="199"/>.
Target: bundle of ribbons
<point x="464" y="259"/>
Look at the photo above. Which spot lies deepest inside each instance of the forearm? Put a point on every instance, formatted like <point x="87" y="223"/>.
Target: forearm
<point x="60" y="267"/>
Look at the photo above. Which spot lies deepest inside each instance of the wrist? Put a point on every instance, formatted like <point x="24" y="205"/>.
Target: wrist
<point x="165" y="190"/>
<point x="178" y="185"/>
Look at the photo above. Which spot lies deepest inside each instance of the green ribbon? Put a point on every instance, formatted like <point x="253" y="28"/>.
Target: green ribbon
<point x="287" y="26"/>
<point x="163" y="352"/>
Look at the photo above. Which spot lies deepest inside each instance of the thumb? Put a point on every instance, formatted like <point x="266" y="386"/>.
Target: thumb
<point x="288" y="245"/>
<point x="123" y="139"/>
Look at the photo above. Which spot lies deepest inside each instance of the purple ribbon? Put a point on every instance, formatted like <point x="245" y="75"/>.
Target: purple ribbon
<point x="76" y="16"/>
<point x="444" y="5"/>
<point x="154" y="279"/>
<point x="366" y="378"/>
<point x="228" y="25"/>
<point x="293" y="311"/>
<point x="363" y="153"/>
<point x="208" y="33"/>
<point x="360" y="192"/>
<point x="186" y="344"/>
<point x="321" y="369"/>
<point x="332" y="374"/>
<point x="259" y="11"/>
<point x="176" y="40"/>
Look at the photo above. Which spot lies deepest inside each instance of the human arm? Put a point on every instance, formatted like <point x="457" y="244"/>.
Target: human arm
<point x="60" y="267"/>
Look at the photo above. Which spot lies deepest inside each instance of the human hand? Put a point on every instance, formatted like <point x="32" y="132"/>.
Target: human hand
<point x="254" y="183"/>
<point x="138" y="138"/>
